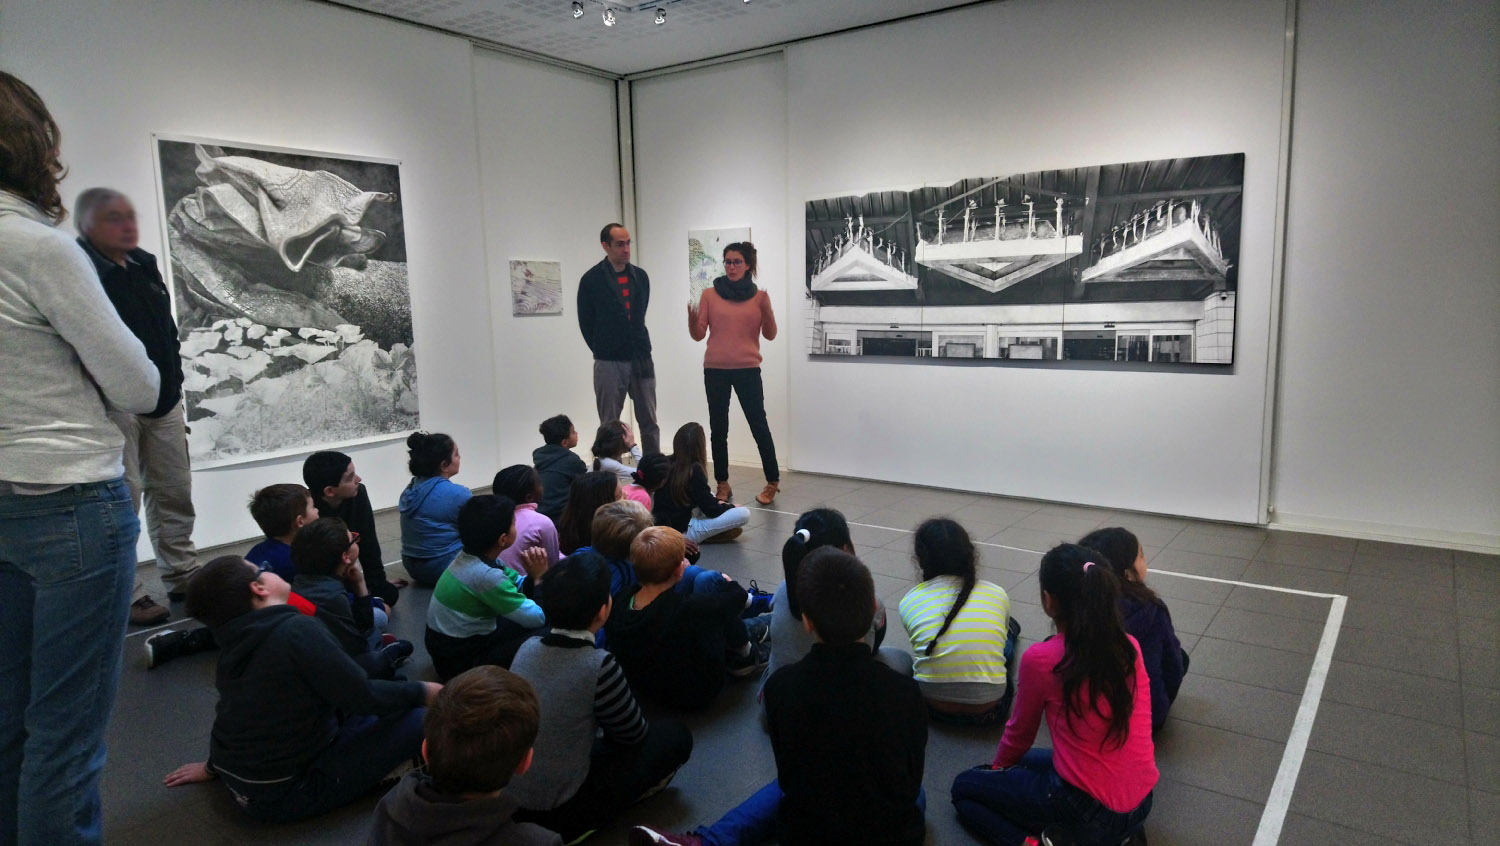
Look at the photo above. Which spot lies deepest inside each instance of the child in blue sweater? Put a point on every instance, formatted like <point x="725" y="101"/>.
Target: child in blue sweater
<point x="429" y="507"/>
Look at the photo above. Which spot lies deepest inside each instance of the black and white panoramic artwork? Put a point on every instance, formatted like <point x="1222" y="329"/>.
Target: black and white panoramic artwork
<point x="1132" y="262"/>
<point x="289" y="274"/>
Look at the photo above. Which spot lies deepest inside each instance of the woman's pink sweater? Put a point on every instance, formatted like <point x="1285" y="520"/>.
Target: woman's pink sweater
<point x="734" y="330"/>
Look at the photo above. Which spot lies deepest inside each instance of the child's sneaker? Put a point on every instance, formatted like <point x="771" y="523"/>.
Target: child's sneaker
<point x="741" y="666"/>
<point x="758" y="602"/>
<point x="758" y="628"/>
<point x="165" y="646"/>
<point x="642" y="836"/>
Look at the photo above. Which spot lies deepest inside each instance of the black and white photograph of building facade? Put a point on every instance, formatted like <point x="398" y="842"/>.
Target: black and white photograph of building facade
<point x="1132" y="262"/>
<point x="289" y="280"/>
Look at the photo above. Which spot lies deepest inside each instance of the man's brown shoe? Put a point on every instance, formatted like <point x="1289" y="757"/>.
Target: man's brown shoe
<point x="145" y="612"/>
<point x="725" y="493"/>
<point x="767" y="494"/>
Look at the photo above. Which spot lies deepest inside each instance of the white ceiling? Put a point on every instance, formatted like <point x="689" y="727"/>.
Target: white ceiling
<point x="695" y="29"/>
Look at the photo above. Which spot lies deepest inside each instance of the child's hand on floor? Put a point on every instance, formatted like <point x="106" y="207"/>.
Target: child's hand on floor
<point x="188" y="774"/>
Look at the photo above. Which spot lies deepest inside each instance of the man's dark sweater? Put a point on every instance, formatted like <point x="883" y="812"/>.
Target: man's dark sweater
<point x="673" y="650"/>
<point x="282" y="682"/>
<point x="558" y="466"/>
<point x="612" y="331"/>
<point x="850" y="738"/>
<point x="141" y="298"/>
<point x="414" y="813"/>
<point x="359" y="516"/>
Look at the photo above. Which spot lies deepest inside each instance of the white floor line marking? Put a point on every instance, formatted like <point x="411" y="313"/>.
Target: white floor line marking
<point x="1255" y="585"/>
<point x="1271" y="821"/>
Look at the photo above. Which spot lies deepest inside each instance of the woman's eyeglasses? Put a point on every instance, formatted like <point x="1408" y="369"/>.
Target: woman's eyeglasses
<point x="730" y="262"/>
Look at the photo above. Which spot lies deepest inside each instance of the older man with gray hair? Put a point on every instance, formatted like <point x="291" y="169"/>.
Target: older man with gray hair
<point x="156" y="453"/>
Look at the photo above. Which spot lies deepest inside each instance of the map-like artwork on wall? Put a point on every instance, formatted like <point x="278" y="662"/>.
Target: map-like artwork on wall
<point x="706" y="258"/>
<point x="535" y="287"/>
<point x="289" y="276"/>
<point x="1129" y="262"/>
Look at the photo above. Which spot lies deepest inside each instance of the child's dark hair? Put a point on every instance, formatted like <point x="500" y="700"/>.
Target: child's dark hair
<point x="555" y="430"/>
<point x="609" y="442"/>
<point x="479" y="729"/>
<point x="589" y="491"/>
<point x="520" y="482"/>
<point x="577" y="587"/>
<point x="838" y="595"/>
<point x="324" y="470"/>
<point x="943" y="549"/>
<point x="428" y="453"/>
<point x="220" y="590"/>
<point x="689" y="449"/>
<point x="482" y="520"/>
<point x="651" y="472"/>
<point x="746" y="251"/>
<point x="1120" y="547"/>
<point x="817" y="528"/>
<point x="1097" y="654"/>
<point x="318" y="548"/>
<point x="276" y="508"/>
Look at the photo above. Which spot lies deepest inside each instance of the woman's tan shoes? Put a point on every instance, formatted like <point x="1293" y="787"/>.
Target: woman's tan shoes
<point x="767" y="494"/>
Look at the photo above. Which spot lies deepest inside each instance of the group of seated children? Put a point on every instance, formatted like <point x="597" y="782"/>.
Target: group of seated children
<point x="560" y="741"/>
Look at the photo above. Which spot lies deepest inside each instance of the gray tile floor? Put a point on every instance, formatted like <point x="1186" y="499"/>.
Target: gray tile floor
<point x="1405" y="747"/>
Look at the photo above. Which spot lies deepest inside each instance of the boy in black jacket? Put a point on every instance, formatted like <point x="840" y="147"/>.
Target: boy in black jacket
<point x="849" y="733"/>
<point x="676" y="648"/>
<point x="298" y="729"/>
<point x="557" y="464"/>
<point x="326" y="555"/>
<point x="338" y="491"/>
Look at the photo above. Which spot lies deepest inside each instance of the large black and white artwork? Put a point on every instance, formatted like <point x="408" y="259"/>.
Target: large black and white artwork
<point x="289" y="276"/>
<point x="1132" y="262"/>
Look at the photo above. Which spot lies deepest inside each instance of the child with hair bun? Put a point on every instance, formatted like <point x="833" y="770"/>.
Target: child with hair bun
<point x="429" y="507"/>
<point x="1095" y="784"/>
<point x="1146" y="617"/>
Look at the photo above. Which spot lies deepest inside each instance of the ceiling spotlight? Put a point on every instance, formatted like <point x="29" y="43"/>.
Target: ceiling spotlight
<point x="661" y="16"/>
<point x="609" y="17"/>
<point x="577" y="9"/>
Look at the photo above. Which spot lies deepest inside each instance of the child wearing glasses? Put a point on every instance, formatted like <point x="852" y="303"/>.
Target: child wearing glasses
<point x="326" y="555"/>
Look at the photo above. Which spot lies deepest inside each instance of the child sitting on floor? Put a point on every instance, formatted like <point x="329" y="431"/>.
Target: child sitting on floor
<point x="961" y="630"/>
<point x="686" y="503"/>
<point x="579" y="783"/>
<point x="647" y="478"/>
<point x="479" y="613"/>
<point x="338" y="491"/>
<point x="678" y="648"/>
<point x="1146" y="617"/>
<point x="848" y="732"/>
<point x="279" y="511"/>
<point x="522" y="485"/>
<point x="479" y="733"/>
<point x="614" y="441"/>
<point x="1094" y="785"/>
<point x="326" y="555"/>
<point x="429" y="507"/>
<point x="298" y="730"/>
<point x="589" y="491"/>
<point x="557" y="464"/>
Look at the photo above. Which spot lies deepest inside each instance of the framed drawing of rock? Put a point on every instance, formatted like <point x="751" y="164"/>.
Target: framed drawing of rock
<point x="288" y="273"/>
<point x="706" y="258"/>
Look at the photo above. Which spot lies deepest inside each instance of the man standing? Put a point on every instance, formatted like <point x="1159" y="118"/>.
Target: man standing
<point x="156" y="451"/>
<point x="612" y="300"/>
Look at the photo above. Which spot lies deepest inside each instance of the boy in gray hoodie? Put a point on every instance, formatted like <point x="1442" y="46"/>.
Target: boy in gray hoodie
<point x="479" y="733"/>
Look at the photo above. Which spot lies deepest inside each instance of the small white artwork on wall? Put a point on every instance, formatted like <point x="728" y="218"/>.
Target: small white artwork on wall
<point x="288" y="272"/>
<point x="706" y="257"/>
<point x="535" y="287"/>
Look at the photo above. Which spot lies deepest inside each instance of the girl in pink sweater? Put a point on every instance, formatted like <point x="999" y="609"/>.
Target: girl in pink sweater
<point x="735" y="315"/>
<point x="1096" y="781"/>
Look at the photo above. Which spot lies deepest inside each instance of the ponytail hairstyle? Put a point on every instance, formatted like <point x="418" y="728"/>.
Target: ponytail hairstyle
<point x="747" y="251"/>
<point x="944" y="549"/>
<point x="429" y="452"/>
<point x="817" y="528"/>
<point x="689" y="449"/>
<point x="651" y="472"/>
<point x="520" y="482"/>
<point x="609" y="442"/>
<point x="1097" y="654"/>
<point x="1122" y="547"/>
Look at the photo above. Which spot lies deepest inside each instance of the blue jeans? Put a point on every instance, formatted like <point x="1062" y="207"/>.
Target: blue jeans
<point x="426" y="571"/>
<point x="1005" y="806"/>
<point x="754" y="820"/>
<point x="365" y="749"/>
<point x="701" y="528"/>
<point x="697" y="579"/>
<point x="67" y="563"/>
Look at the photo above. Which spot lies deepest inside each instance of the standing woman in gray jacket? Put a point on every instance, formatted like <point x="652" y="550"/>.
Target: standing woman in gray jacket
<point x="67" y="528"/>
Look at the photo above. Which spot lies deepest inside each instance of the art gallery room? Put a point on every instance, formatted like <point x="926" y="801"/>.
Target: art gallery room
<point x="1222" y="273"/>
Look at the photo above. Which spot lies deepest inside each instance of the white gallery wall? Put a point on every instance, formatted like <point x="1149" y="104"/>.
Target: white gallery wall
<point x="710" y="153"/>
<point x="1389" y="415"/>
<point x="290" y="74"/>
<point x="551" y="178"/>
<point x="1025" y="86"/>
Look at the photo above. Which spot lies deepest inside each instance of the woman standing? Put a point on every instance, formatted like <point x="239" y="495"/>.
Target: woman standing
<point x="735" y="315"/>
<point x="67" y="529"/>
